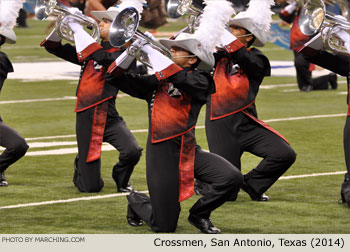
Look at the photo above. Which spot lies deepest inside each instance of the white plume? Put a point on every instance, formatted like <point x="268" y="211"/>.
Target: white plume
<point x="9" y="12"/>
<point x="215" y="17"/>
<point x="261" y="12"/>
<point x="137" y="4"/>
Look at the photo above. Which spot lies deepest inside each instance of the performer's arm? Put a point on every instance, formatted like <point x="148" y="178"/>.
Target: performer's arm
<point x="252" y="62"/>
<point x="52" y="44"/>
<point x="339" y="64"/>
<point x="5" y="68"/>
<point x="195" y="83"/>
<point x="198" y="84"/>
<point x="288" y="13"/>
<point x="136" y="85"/>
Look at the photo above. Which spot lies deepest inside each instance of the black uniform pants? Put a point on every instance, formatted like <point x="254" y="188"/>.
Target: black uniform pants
<point x="119" y="136"/>
<point x="15" y="146"/>
<point x="304" y="75"/>
<point x="230" y="143"/>
<point x="161" y="211"/>
<point x="346" y="138"/>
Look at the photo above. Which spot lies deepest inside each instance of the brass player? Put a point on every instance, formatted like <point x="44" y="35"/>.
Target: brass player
<point x="97" y="119"/>
<point x="175" y="95"/>
<point x="232" y="124"/>
<point x="316" y="52"/>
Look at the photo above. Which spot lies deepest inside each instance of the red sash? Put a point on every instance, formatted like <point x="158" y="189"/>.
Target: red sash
<point x="232" y="92"/>
<point x="97" y="132"/>
<point x="186" y="166"/>
<point x="170" y="115"/>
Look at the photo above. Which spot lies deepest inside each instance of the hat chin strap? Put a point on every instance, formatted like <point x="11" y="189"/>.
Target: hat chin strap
<point x="246" y="35"/>
<point x="188" y="56"/>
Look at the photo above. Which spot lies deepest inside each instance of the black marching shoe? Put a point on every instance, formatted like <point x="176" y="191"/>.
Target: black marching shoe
<point x="132" y="218"/>
<point x="253" y="195"/>
<point x="307" y="88"/>
<point x="204" y="225"/>
<point x="3" y="181"/>
<point x="126" y="189"/>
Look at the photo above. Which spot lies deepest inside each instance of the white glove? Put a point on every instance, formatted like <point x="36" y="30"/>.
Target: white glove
<point x="139" y="43"/>
<point x="124" y="60"/>
<point x="75" y="10"/>
<point x="227" y="38"/>
<point x="53" y="36"/>
<point x="150" y="35"/>
<point x="344" y="36"/>
<point x="82" y="39"/>
<point x="74" y="25"/>
<point x="325" y="31"/>
<point x="290" y="8"/>
<point x="158" y="60"/>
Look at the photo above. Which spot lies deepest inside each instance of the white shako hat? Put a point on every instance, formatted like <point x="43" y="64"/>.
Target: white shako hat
<point x="256" y="19"/>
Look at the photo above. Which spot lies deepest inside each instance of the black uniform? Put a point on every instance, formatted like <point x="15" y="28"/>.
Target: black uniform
<point x="97" y="119"/>
<point x="172" y="157"/>
<point x="231" y="122"/>
<point x="15" y="145"/>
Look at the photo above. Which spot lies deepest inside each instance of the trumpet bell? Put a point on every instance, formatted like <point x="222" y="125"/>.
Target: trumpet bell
<point x="42" y="9"/>
<point x="334" y="30"/>
<point x="123" y="27"/>
<point x="172" y="8"/>
<point x="184" y="7"/>
<point x="312" y="17"/>
<point x="46" y="8"/>
<point x="178" y="8"/>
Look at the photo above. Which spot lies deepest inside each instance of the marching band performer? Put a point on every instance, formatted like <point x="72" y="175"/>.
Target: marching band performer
<point x="306" y="83"/>
<point x="15" y="145"/>
<point x="175" y="95"/>
<point x="315" y="52"/>
<point x="232" y="125"/>
<point x="97" y="119"/>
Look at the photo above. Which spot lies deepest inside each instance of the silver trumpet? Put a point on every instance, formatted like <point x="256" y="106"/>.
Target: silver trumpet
<point x="314" y="19"/>
<point x="124" y="28"/>
<point x="178" y="8"/>
<point x="46" y="8"/>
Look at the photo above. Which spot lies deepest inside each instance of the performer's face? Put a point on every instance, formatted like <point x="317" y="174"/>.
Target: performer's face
<point x="241" y="34"/>
<point x="104" y="28"/>
<point x="182" y="57"/>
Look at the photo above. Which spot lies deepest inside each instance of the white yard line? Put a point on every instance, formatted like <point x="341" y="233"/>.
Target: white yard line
<point x="51" y="202"/>
<point x="312" y="175"/>
<point x="304" y="117"/>
<point x="39" y="100"/>
<point x="64" y="98"/>
<point x="48" y="137"/>
<point x="67" y="200"/>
